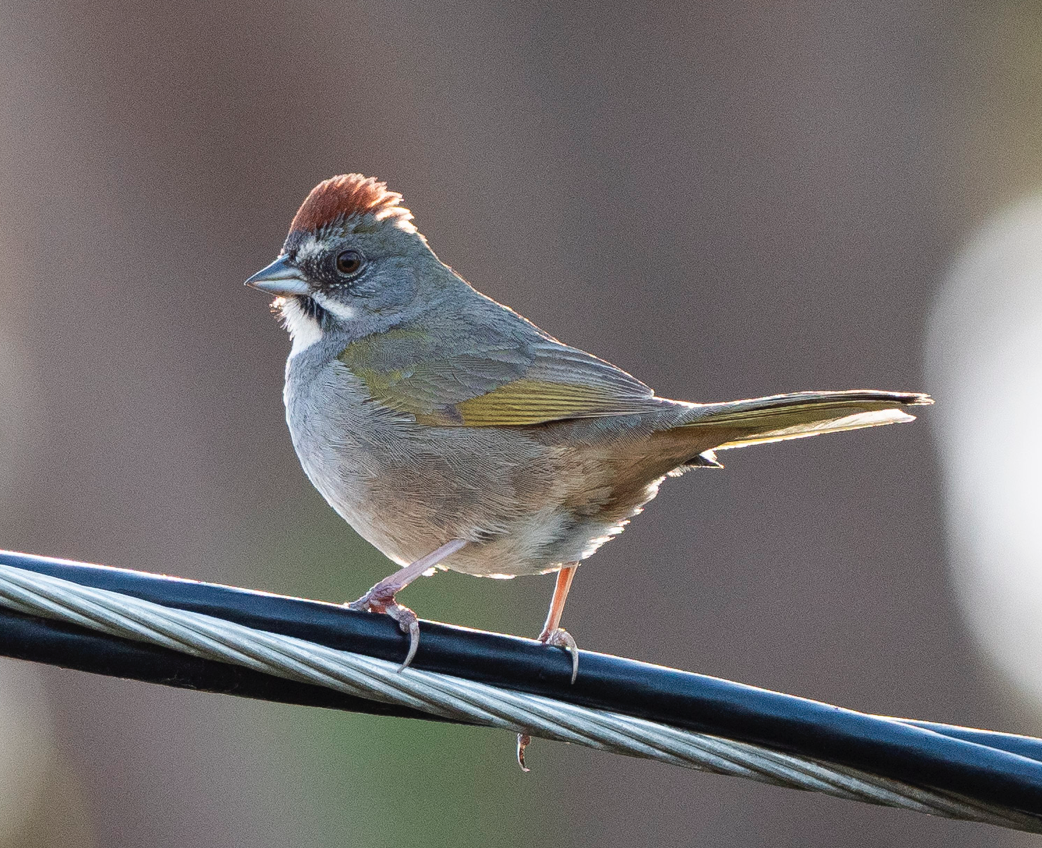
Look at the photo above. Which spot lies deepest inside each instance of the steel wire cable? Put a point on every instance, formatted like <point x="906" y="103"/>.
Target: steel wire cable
<point x="459" y="699"/>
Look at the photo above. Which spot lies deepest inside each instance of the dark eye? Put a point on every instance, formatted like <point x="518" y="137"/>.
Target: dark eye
<point x="348" y="261"/>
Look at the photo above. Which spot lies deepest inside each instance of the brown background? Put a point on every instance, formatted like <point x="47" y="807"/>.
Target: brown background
<point x="727" y="199"/>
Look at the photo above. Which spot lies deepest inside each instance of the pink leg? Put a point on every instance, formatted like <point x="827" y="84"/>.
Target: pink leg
<point x="553" y="618"/>
<point x="554" y="634"/>
<point x="381" y="597"/>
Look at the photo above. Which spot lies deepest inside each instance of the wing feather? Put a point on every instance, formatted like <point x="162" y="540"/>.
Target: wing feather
<point x="515" y="381"/>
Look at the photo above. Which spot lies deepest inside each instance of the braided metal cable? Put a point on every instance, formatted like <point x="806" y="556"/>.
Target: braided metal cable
<point x="458" y="699"/>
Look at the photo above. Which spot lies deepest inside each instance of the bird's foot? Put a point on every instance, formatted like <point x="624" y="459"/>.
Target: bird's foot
<point x="382" y="600"/>
<point x="561" y="638"/>
<point x="557" y="638"/>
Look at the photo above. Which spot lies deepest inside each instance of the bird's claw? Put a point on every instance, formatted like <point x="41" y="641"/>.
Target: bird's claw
<point x="561" y="638"/>
<point x="376" y="601"/>
<point x="557" y="638"/>
<point x="523" y="739"/>
<point x="410" y="626"/>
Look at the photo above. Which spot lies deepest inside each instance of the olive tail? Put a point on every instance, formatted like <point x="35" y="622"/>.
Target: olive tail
<point x="802" y="414"/>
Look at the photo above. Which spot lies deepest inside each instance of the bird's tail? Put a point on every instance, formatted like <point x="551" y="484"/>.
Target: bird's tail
<point x="796" y="416"/>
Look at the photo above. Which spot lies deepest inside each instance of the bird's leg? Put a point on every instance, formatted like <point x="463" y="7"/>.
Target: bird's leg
<point x="381" y="597"/>
<point x="554" y="634"/>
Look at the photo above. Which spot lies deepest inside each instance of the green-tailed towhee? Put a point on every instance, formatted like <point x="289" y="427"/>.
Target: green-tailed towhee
<point x="450" y="432"/>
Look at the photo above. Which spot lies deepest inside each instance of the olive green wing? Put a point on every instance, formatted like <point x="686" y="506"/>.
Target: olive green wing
<point x="492" y="380"/>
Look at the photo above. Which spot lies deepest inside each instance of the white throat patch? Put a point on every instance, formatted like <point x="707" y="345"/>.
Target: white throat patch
<point x="304" y="330"/>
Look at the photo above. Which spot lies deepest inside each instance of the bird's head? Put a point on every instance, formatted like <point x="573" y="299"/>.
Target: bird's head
<point x="352" y="264"/>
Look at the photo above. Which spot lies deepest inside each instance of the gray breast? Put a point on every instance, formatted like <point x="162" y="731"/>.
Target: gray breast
<point x="407" y="488"/>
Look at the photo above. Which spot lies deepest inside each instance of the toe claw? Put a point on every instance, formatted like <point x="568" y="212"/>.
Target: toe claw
<point x="561" y="638"/>
<point x="557" y="638"/>
<point x="573" y="649"/>
<point x="523" y="739"/>
<point x="374" y="601"/>
<point x="411" y="627"/>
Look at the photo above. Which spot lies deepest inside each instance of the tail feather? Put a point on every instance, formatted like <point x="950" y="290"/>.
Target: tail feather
<point x="797" y="416"/>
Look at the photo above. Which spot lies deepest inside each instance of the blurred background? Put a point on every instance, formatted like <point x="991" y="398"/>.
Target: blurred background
<point x="726" y="199"/>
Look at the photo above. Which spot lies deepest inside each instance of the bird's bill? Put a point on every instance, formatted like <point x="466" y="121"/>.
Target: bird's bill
<point x="280" y="278"/>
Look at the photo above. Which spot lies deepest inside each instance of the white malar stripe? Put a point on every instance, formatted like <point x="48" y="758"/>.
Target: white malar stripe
<point x="303" y="330"/>
<point x="341" y="310"/>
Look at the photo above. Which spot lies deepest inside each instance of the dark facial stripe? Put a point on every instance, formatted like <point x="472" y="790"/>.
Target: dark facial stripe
<point x="310" y="307"/>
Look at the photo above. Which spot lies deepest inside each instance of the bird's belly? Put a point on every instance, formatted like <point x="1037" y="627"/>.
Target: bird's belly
<point x="523" y="506"/>
<point x="517" y="520"/>
<point x="537" y="543"/>
<point x="408" y="508"/>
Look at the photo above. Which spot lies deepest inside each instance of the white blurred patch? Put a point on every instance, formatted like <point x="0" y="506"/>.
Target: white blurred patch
<point x="27" y="750"/>
<point x="984" y="364"/>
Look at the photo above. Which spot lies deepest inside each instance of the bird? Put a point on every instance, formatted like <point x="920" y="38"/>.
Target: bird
<point x="452" y="433"/>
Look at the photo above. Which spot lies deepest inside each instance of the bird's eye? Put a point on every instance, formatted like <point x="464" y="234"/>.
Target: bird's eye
<point x="349" y="261"/>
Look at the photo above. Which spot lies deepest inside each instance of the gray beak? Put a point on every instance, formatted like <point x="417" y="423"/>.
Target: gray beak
<point x="281" y="277"/>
